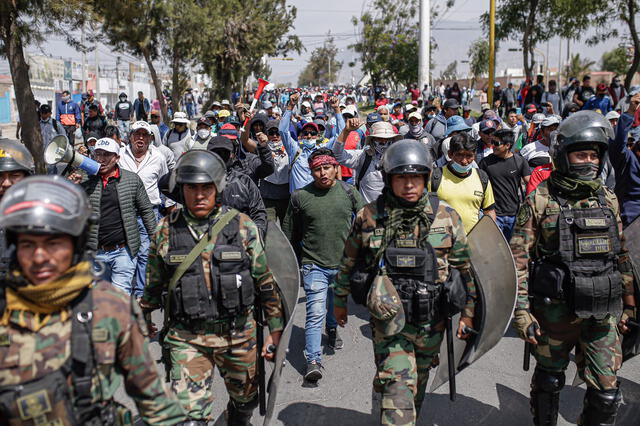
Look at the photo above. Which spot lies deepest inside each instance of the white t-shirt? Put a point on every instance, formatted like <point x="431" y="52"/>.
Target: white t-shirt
<point x="533" y="150"/>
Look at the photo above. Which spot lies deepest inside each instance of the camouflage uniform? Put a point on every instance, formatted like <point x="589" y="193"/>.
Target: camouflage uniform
<point x="597" y="342"/>
<point x="231" y="346"/>
<point x="120" y="348"/>
<point x="403" y="360"/>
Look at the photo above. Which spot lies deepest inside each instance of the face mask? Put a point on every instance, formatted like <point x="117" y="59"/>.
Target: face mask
<point x="459" y="168"/>
<point x="430" y="116"/>
<point x="309" y="143"/>
<point x="415" y="129"/>
<point x="204" y="133"/>
<point x="584" y="171"/>
<point x="66" y="98"/>
<point x="275" y="146"/>
<point x="380" y="147"/>
<point x="122" y="99"/>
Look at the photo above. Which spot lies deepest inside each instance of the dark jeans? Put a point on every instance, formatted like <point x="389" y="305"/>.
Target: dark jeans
<point x="276" y="209"/>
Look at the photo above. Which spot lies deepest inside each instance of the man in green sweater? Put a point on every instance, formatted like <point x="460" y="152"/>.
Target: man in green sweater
<point x="317" y="223"/>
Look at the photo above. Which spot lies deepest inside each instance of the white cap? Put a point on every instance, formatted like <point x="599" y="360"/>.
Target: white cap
<point x="550" y="121"/>
<point x="538" y="118"/>
<point x="108" y="144"/>
<point x="415" y="114"/>
<point x="141" y="125"/>
<point x="180" y="117"/>
<point x="612" y="115"/>
<point x="350" y="109"/>
<point x="225" y="102"/>
<point x="410" y="107"/>
<point x="306" y="104"/>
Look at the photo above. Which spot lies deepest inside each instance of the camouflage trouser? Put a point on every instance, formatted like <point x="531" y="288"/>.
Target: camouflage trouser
<point x="403" y="362"/>
<point x="597" y="343"/>
<point x="192" y="369"/>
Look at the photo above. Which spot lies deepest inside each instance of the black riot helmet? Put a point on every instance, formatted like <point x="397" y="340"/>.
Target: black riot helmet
<point x="200" y="166"/>
<point x="47" y="205"/>
<point x="582" y="130"/>
<point x="14" y="156"/>
<point x="407" y="156"/>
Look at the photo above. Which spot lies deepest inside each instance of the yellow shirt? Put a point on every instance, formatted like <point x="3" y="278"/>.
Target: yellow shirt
<point x="465" y="195"/>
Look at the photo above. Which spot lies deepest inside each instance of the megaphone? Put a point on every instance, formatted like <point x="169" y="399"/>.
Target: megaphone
<point x="261" y="85"/>
<point x="60" y="150"/>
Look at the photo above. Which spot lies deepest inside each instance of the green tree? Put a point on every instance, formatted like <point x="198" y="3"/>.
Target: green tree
<point x="606" y="20"/>
<point x="478" y="59"/>
<point x="450" y="72"/>
<point x="322" y="67"/>
<point x="388" y="45"/>
<point x="577" y="66"/>
<point x="244" y="34"/>
<point x="25" y="22"/>
<point x="615" y="60"/>
<point x="129" y="27"/>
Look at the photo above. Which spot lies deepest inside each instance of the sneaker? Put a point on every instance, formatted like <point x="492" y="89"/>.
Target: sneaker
<point x="314" y="372"/>
<point x="334" y="340"/>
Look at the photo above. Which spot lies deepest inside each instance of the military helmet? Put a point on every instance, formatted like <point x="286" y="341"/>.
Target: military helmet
<point x="45" y="205"/>
<point x="407" y="156"/>
<point x="15" y="156"/>
<point x="583" y="130"/>
<point x="200" y="166"/>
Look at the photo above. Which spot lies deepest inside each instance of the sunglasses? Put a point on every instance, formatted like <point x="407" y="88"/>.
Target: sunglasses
<point x="310" y="133"/>
<point x="273" y="132"/>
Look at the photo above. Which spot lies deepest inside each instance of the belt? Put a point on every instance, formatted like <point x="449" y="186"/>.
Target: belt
<point x="111" y="247"/>
<point x="220" y="326"/>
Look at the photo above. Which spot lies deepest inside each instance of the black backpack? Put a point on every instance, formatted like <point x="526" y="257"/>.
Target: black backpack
<point x="436" y="178"/>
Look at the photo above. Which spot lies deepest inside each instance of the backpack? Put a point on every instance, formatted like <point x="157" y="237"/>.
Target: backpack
<point x="436" y="178"/>
<point x="362" y="170"/>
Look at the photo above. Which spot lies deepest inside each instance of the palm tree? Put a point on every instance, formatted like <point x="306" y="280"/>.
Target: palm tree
<point x="577" y="66"/>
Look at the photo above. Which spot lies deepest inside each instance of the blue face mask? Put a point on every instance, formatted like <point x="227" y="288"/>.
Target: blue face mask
<point x="308" y="143"/>
<point x="459" y="168"/>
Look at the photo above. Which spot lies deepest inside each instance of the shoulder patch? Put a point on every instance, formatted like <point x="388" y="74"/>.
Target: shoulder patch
<point x="524" y="214"/>
<point x="100" y="334"/>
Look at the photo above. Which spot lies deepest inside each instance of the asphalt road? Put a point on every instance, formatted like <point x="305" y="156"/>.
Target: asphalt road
<point x="493" y="391"/>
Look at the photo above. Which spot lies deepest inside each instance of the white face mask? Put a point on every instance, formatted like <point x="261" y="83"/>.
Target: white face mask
<point x="204" y="133"/>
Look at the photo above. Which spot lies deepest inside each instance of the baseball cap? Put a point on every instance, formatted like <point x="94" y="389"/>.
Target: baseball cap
<point x="223" y="114"/>
<point x="634" y="134"/>
<point x="601" y="87"/>
<point x="451" y="103"/>
<point x="410" y="107"/>
<point x="229" y="131"/>
<point x="485" y="107"/>
<point x="373" y="117"/>
<point x="306" y="104"/>
<point x="141" y="125"/>
<point x="488" y="126"/>
<point x="538" y="118"/>
<point x="415" y="114"/>
<point x="154" y="112"/>
<point x="216" y="103"/>
<point x="225" y="102"/>
<point x="45" y="108"/>
<point x="385" y="306"/>
<point x="267" y="105"/>
<point x="350" y="109"/>
<point x="466" y="108"/>
<point x="612" y="115"/>
<point x="220" y="142"/>
<point x="108" y="144"/>
<point x="203" y="120"/>
<point x="271" y="124"/>
<point x="320" y="122"/>
<point x="312" y="125"/>
<point x="550" y="121"/>
<point x="531" y="109"/>
<point x="210" y="114"/>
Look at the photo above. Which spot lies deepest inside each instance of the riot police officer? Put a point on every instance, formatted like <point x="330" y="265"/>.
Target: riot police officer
<point x="211" y="262"/>
<point x="574" y="275"/>
<point x="406" y="241"/>
<point x="59" y="326"/>
<point x="16" y="163"/>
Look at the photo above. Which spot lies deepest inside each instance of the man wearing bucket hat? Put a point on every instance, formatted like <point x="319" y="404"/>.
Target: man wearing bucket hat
<point x="364" y="162"/>
<point x="404" y="227"/>
<point x="179" y="136"/>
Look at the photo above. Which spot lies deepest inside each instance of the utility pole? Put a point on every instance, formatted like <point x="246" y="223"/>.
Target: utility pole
<point x="560" y="64"/>
<point x="492" y="50"/>
<point x="84" y="62"/>
<point x="425" y="41"/>
<point x="118" y="72"/>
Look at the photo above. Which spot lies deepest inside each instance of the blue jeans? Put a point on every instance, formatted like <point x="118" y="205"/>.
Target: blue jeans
<point x="319" y="304"/>
<point x="119" y="267"/>
<point x="506" y="225"/>
<point x="143" y="256"/>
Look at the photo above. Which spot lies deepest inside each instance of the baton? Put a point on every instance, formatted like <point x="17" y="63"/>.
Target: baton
<point x="450" y="360"/>
<point x="531" y="332"/>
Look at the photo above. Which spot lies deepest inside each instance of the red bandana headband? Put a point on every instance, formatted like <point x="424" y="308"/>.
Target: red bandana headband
<point x="321" y="160"/>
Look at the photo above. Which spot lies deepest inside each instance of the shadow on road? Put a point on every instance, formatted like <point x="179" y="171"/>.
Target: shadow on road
<point x="303" y="413"/>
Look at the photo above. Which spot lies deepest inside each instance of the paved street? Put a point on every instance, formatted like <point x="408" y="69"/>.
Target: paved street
<point x="494" y="391"/>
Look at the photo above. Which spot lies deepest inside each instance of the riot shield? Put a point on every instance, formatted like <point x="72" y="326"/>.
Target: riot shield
<point x="496" y="281"/>
<point x="631" y="340"/>
<point x="284" y="266"/>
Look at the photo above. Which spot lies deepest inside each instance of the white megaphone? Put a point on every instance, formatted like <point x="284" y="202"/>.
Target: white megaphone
<point x="60" y="150"/>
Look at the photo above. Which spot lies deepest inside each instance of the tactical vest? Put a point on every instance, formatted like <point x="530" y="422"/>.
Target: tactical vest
<point x="48" y="400"/>
<point x="232" y="286"/>
<point x="589" y="244"/>
<point x="412" y="267"/>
